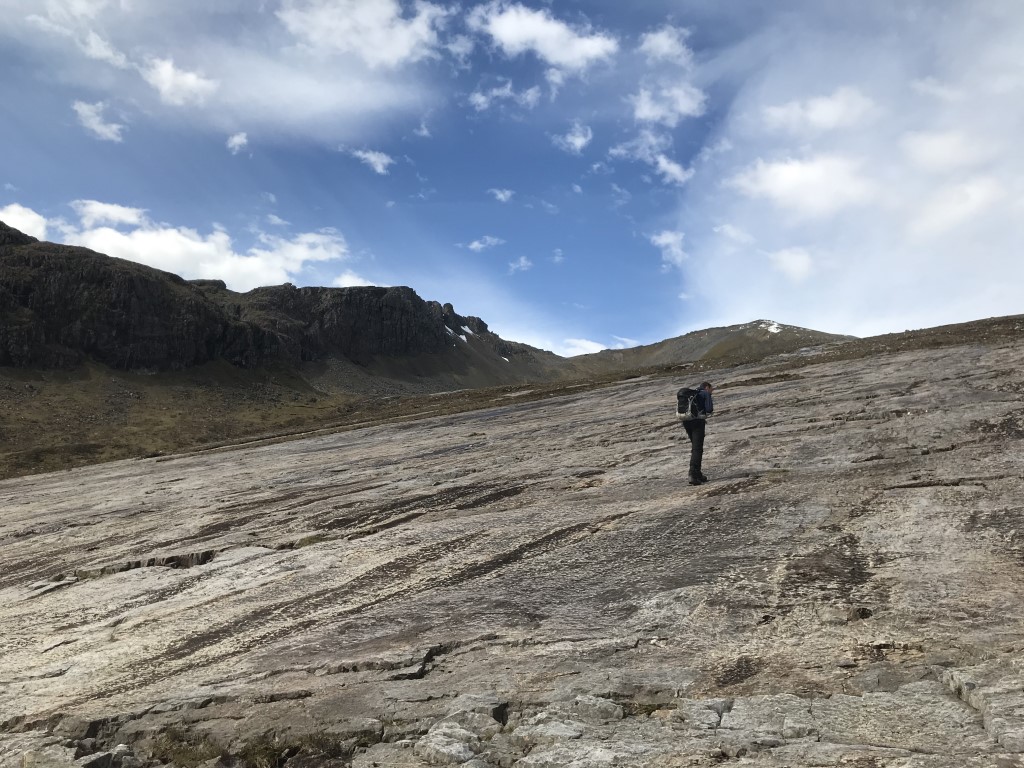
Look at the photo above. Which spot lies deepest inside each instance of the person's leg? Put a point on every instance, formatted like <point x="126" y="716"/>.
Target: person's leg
<point x="696" y="433"/>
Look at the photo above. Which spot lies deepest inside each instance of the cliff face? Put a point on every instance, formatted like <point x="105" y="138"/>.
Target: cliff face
<point x="60" y="305"/>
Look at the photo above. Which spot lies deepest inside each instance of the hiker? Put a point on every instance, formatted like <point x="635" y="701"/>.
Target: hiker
<point x="694" y="413"/>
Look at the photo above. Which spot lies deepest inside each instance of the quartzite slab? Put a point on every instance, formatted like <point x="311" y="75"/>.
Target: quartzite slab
<point x="537" y="585"/>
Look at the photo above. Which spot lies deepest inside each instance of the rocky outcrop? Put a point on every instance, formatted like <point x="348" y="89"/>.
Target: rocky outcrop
<point x="535" y="586"/>
<point x="60" y="305"/>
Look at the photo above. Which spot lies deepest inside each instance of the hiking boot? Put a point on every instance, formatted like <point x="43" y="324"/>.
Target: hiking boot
<point x="697" y="479"/>
<point x="703" y="477"/>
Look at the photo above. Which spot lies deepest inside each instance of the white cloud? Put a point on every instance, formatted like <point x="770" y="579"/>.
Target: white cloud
<point x="932" y="87"/>
<point x="95" y="47"/>
<point x="423" y="131"/>
<point x="735" y="234"/>
<point x="576" y="140"/>
<point x="817" y="187"/>
<point x="185" y="251"/>
<point x="270" y="197"/>
<point x="461" y="47"/>
<point x="953" y="204"/>
<point x="177" y="87"/>
<point x="573" y="347"/>
<point x="577" y="189"/>
<point x="482" y="100"/>
<point x="72" y="11"/>
<point x="376" y="31"/>
<point x="945" y="151"/>
<point x="667" y="44"/>
<point x="24" y="220"/>
<point x="517" y="29"/>
<point x="794" y="263"/>
<point x="845" y="108"/>
<point x="667" y="106"/>
<point x="91" y="118"/>
<point x="93" y="212"/>
<point x="501" y="195"/>
<point x="277" y="221"/>
<point x="558" y="256"/>
<point x="651" y="148"/>
<point x="621" y="342"/>
<point x="522" y="264"/>
<point x="485" y="242"/>
<point x="671" y="244"/>
<point x="620" y="196"/>
<point x="349" y="279"/>
<point x="556" y="79"/>
<point x="237" y="142"/>
<point x="268" y="79"/>
<point x="378" y="161"/>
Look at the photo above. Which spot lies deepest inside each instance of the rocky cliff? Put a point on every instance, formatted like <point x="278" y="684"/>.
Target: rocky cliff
<point x="60" y="305"/>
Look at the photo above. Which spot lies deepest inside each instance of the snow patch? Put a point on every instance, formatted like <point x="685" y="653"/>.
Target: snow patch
<point x="505" y="359"/>
<point x="466" y="330"/>
<point x="771" y="326"/>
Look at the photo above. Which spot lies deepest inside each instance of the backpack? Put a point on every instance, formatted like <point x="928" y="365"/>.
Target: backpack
<point x="688" y="404"/>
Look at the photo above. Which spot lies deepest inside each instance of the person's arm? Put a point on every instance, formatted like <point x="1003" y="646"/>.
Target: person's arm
<point x="709" y="405"/>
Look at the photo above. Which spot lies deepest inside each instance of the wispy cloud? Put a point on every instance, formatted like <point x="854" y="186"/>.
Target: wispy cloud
<point x="178" y="87"/>
<point x="576" y="140"/>
<point x="652" y="148"/>
<point x="95" y="47"/>
<point x="485" y="242"/>
<point x="237" y="142"/>
<point x="573" y="347"/>
<point x="378" y="32"/>
<point x="522" y="264"/>
<point x="482" y="100"/>
<point x="845" y="108"/>
<point x="378" y="161"/>
<point x="667" y="106"/>
<point x="671" y="245"/>
<point x="501" y="195"/>
<point x="794" y="263"/>
<point x="93" y="212"/>
<point x="667" y="44"/>
<point x="818" y="186"/>
<point x="91" y="118"/>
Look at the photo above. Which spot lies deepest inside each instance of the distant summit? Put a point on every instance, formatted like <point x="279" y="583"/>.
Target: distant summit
<point x="729" y="345"/>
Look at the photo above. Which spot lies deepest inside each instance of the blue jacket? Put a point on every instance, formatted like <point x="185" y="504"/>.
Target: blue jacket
<point x="707" y="405"/>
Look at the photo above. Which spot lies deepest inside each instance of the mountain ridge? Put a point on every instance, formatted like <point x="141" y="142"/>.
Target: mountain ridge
<point x="61" y="305"/>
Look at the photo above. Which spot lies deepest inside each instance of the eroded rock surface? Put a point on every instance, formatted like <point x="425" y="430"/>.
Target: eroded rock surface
<point x="536" y="585"/>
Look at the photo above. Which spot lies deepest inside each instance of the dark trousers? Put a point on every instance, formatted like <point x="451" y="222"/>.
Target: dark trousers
<point x="695" y="431"/>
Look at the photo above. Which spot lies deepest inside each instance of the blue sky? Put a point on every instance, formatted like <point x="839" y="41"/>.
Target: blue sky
<point x="580" y="174"/>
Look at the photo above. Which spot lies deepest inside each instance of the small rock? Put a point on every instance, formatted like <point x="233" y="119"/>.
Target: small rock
<point x="550" y="732"/>
<point x="595" y="708"/>
<point x="446" y="743"/>
<point x="97" y="760"/>
<point x="484" y="703"/>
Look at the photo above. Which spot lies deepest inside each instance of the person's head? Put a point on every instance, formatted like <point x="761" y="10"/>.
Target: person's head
<point x="706" y="386"/>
